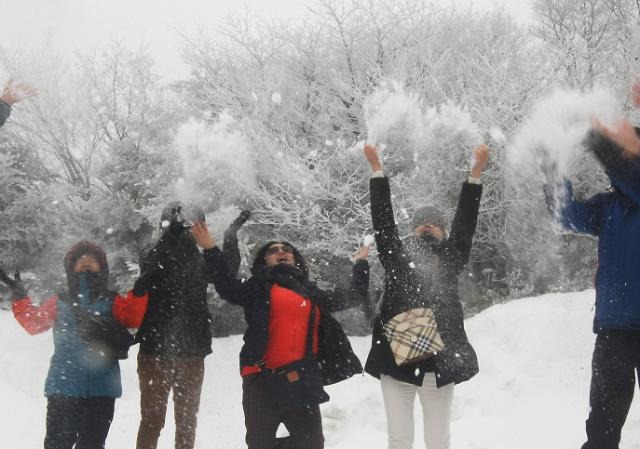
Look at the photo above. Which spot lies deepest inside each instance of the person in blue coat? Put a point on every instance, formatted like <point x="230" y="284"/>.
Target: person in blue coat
<point x="614" y="218"/>
<point x="83" y="381"/>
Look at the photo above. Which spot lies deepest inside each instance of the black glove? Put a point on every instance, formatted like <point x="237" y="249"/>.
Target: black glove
<point x="15" y="284"/>
<point x="236" y="224"/>
<point x="147" y="280"/>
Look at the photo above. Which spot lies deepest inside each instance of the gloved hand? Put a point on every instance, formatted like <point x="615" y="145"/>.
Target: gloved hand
<point x="147" y="280"/>
<point x="236" y="224"/>
<point x="15" y="284"/>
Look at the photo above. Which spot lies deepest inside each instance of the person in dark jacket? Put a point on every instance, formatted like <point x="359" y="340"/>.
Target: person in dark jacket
<point x="175" y="336"/>
<point x="423" y="272"/>
<point x="84" y="377"/>
<point x="11" y="94"/>
<point x="614" y="218"/>
<point x="277" y="301"/>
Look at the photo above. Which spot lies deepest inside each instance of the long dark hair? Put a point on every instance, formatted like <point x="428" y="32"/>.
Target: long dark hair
<point x="259" y="260"/>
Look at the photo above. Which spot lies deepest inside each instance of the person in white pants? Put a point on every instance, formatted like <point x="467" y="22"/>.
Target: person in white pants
<point x="422" y="272"/>
<point x="436" y="403"/>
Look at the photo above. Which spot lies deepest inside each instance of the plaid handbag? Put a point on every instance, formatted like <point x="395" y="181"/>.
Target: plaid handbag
<point x="413" y="335"/>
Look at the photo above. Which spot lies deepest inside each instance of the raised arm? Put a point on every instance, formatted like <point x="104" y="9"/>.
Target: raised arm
<point x="466" y="217"/>
<point x="34" y="319"/>
<point x="230" y="247"/>
<point x="358" y="292"/>
<point x="390" y="249"/>
<point x="580" y="216"/>
<point x="129" y="310"/>
<point x="618" y="150"/>
<point x="11" y="94"/>
<point x="227" y="285"/>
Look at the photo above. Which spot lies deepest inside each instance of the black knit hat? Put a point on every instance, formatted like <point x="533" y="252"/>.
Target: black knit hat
<point x="259" y="260"/>
<point x="429" y="214"/>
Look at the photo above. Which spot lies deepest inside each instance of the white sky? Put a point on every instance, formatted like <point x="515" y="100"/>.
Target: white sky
<point x="83" y="25"/>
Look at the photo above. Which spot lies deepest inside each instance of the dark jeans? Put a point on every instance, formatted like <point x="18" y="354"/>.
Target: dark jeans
<point x="616" y="359"/>
<point x="305" y="426"/>
<point x="183" y="375"/>
<point x="82" y="423"/>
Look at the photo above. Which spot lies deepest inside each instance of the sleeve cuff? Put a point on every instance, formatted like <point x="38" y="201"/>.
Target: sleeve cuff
<point x="476" y="181"/>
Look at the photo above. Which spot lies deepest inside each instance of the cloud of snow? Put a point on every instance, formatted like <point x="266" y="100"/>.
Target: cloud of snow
<point x="400" y="125"/>
<point x="553" y="131"/>
<point x="217" y="163"/>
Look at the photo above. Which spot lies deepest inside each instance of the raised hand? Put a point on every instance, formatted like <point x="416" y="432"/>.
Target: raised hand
<point x="480" y="160"/>
<point x="371" y="154"/>
<point x="6" y="280"/>
<point x="634" y="94"/>
<point x="13" y="93"/>
<point x="362" y="253"/>
<point x="201" y="234"/>
<point x="238" y="222"/>
<point x="15" y="284"/>
<point x="622" y="134"/>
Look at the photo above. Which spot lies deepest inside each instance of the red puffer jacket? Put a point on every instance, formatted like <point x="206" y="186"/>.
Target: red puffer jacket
<point x="288" y="326"/>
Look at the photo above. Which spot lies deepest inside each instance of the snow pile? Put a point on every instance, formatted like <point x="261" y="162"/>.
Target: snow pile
<point x="532" y="391"/>
<point x="217" y="163"/>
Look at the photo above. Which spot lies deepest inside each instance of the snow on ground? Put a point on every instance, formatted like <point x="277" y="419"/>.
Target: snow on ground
<point x="531" y="393"/>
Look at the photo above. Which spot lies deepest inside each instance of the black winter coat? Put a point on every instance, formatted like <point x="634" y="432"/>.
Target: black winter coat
<point x="403" y="290"/>
<point x="177" y="322"/>
<point x="334" y="350"/>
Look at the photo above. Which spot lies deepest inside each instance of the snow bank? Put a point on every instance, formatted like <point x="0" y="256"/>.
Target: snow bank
<point x="531" y="393"/>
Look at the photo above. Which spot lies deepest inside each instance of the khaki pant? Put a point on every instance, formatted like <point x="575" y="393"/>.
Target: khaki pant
<point x="157" y="378"/>
<point x="436" y="403"/>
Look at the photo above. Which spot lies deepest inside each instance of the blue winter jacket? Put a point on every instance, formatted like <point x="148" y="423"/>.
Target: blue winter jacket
<point x="613" y="217"/>
<point x="76" y="369"/>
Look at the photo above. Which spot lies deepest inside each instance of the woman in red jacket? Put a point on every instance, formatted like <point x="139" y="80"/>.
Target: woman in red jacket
<point x="278" y="301"/>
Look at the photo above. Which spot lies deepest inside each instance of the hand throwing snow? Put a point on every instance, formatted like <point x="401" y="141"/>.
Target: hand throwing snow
<point x="622" y="134"/>
<point x="371" y="153"/>
<point x="480" y="158"/>
<point x="13" y="93"/>
<point x="201" y="234"/>
<point x="362" y="253"/>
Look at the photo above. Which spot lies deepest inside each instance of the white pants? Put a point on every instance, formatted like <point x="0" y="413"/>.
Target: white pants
<point x="399" y="398"/>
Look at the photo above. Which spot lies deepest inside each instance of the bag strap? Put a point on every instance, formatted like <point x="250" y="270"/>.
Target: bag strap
<point x="308" y="354"/>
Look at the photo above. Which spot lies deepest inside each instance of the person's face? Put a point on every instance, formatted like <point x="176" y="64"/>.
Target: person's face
<point x="85" y="263"/>
<point x="430" y="229"/>
<point x="279" y="253"/>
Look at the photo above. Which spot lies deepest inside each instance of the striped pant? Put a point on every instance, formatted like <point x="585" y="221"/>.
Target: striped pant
<point x="305" y="426"/>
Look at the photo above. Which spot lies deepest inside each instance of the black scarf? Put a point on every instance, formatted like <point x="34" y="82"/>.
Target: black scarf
<point x="291" y="278"/>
